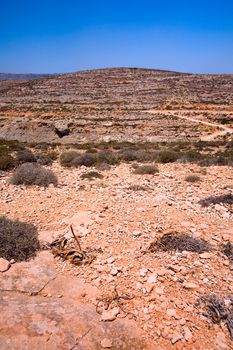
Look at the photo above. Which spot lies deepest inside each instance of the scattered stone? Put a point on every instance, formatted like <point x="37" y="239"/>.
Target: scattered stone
<point x="4" y="265"/>
<point x="171" y="312"/>
<point x="220" y="342"/>
<point x="205" y="256"/>
<point x="152" y="278"/>
<point x="106" y="343"/>
<point x="190" y="285"/>
<point x="143" y="272"/>
<point x="187" y="334"/>
<point x="176" y="337"/>
<point x="110" y="315"/>
<point x="114" y="272"/>
<point x="136" y="233"/>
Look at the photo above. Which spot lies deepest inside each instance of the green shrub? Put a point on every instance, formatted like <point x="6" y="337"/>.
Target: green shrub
<point x="19" y="241"/>
<point x="146" y="170"/>
<point x="33" y="174"/>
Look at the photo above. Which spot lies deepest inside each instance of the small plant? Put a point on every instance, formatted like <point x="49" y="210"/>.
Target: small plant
<point x="87" y="159"/>
<point x="25" y="156"/>
<point x="43" y="159"/>
<point x="91" y="175"/>
<point x="227" y="249"/>
<point x="193" y="178"/>
<point x="7" y="162"/>
<point x="33" y="174"/>
<point x="224" y="199"/>
<point x="176" y="241"/>
<point x="107" y="157"/>
<point x="19" y="241"/>
<point x="137" y="188"/>
<point x="67" y="159"/>
<point x="146" y="170"/>
<point x="167" y="156"/>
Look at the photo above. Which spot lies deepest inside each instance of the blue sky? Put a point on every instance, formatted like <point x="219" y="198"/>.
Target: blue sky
<point x="62" y="36"/>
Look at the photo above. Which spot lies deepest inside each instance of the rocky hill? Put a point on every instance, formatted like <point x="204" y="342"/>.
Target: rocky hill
<point x="114" y="104"/>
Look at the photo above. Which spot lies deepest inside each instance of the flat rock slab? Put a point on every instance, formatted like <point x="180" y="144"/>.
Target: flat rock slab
<point x="33" y="322"/>
<point x="30" y="276"/>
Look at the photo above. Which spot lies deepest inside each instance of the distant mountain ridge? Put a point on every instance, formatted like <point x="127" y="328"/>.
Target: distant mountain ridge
<point x="12" y="76"/>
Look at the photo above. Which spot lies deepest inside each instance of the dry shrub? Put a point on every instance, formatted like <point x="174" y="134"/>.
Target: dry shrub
<point x="176" y="241"/>
<point x="224" y="199"/>
<point x="43" y="159"/>
<point x="218" y="311"/>
<point x="91" y="175"/>
<point x="167" y="156"/>
<point x="67" y="159"/>
<point x="137" y="188"/>
<point x="25" y="156"/>
<point x="33" y="174"/>
<point x="18" y="240"/>
<point x="7" y="162"/>
<point x="227" y="249"/>
<point x="107" y="157"/>
<point x="87" y="159"/>
<point x="146" y="170"/>
<point x="193" y="178"/>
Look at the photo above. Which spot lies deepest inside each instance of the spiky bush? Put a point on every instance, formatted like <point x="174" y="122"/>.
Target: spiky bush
<point x="33" y="174"/>
<point x="18" y="240"/>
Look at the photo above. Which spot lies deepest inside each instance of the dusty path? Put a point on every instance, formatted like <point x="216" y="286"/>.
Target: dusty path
<point x="223" y="129"/>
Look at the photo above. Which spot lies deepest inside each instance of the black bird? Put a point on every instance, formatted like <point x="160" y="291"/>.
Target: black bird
<point x="61" y="133"/>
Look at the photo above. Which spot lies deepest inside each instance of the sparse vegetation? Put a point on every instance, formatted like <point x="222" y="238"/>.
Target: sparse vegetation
<point x="33" y="174"/>
<point x="227" y="249"/>
<point x="193" y="178"/>
<point x="25" y="156"/>
<point x="167" y="156"/>
<point x="218" y="312"/>
<point x="7" y="162"/>
<point x="43" y="159"/>
<point x="19" y="240"/>
<point x="176" y="241"/>
<point x="222" y="199"/>
<point x="92" y="175"/>
<point x="146" y="170"/>
<point x="67" y="159"/>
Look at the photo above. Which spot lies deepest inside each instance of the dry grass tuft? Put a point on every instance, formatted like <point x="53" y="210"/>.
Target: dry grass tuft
<point x="180" y="242"/>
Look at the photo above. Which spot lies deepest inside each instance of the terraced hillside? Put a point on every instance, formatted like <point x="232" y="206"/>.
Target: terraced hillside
<point x="115" y="104"/>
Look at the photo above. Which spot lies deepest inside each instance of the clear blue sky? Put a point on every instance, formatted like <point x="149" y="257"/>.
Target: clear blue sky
<point x="62" y="36"/>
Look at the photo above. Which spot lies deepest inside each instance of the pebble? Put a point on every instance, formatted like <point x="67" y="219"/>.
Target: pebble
<point x="114" y="272"/>
<point x="187" y="334"/>
<point x="4" y="265"/>
<point x="136" y="233"/>
<point x="171" y="312"/>
<point x="111" y="260"/>
<point x="110" y="315"/>
<point x="152" y="278"/>
<point x="176" y="337"/>
<point x="106" y="343"/>
<point x="143" y="272"/>
<point x="205" y="256"/>
<point x="190" y="285"/>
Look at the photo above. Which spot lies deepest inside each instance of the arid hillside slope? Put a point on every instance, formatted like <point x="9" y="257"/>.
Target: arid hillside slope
<point x="113" y="104"/>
